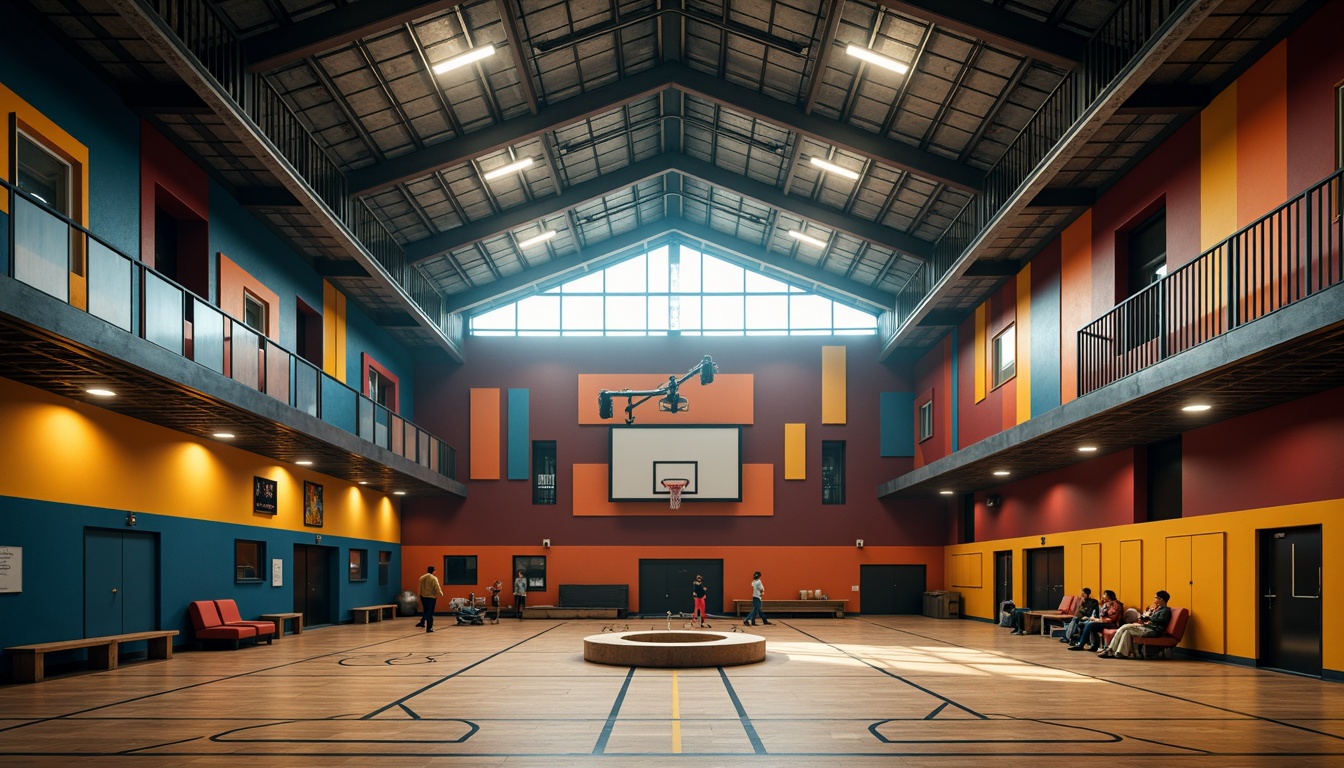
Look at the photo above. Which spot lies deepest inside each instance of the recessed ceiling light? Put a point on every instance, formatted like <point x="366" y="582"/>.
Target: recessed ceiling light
<point x="543" y="237"/>
<point x="505" y="170"/>
<point x="363" y="482"/>
<point x="475" y="54"/>
<point x="1001" y="472"/>
<point x="947" y="493"/>
<point x="1196" y="407"/>
<point x="873" y="57"/>
<point x="1087" y="449"/>
<point x="101" y="392"/>
<point x="830" y="167"/>
<point x="304" y="463"/>
<point x="398" y="493"/>
<point x="224" y="435"/>
<point x="806" y="238"/>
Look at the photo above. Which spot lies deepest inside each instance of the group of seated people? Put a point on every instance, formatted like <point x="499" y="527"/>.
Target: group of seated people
<point x="1084" y="631"/>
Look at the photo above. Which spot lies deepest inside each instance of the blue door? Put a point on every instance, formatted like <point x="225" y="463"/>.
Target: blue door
<point x="121" y="578"/>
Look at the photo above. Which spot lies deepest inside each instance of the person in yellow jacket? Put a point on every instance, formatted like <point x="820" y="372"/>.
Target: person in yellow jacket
<point x="430" y="592"/>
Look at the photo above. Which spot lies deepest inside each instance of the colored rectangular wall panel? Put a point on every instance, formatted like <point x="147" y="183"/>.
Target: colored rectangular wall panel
<point x="981" y="352"/>
<point x="1218" y="169"/>
<point x="795" y="451"/>
<point x="833" y="385"/>
<point x="590" y="497"/>
<point x="520" y="434"/>
<point x="1262" y="136"/>
<point x="333" y="332"/>
<point x="1044" y="344"/>
<point x="485" y="434"/>
<point x="896" y="412"/>
<point x="1075" y="305"/>
<point x="729" y="399"/>
<point x="1022" y="404"/>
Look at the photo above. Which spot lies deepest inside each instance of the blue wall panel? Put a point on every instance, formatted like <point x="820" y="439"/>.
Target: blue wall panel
<point x="898" y="423"/>
<point x="519" y="434"/>
<point x="1044" y="351"/>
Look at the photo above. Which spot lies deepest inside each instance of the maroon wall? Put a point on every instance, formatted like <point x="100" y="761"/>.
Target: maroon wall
<point x="1094" y="494"/>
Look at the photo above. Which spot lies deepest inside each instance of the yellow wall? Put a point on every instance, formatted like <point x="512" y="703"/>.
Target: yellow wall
<point x="1150" y="548"/>
<point x="47" y="441"/>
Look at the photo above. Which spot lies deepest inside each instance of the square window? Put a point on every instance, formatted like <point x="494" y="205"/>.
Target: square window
<point x="359" y="565"/>
<point x="1003" y="356"/>
<point x="926" y="421"/>
<point x="248" y="557"/>
<point x="459" y="569"/>
<point x="533" y="568"/>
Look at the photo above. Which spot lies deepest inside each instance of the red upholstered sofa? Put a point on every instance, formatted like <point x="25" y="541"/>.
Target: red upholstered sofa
<point x="228" y="612"/>
<point x="1158" y="645"/>
<point x="208" y="625"/>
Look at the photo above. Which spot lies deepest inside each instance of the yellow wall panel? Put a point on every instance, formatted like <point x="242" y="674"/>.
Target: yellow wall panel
<point x="981" y="352"/>
<point x="795" y="451"/>
<point x="1218" y="169"/>
<point x="967" y="570"/>
<point x="333" y="332"/>
<point x="833" y="385"/>
<point x="1023" y="352"/>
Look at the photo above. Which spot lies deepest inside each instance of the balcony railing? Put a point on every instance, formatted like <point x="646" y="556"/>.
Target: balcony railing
<point x="56" y="255"/>
<point x="201" y="29"/>
<point x="1129" y="28"/>
<point x="1289" y="254"/>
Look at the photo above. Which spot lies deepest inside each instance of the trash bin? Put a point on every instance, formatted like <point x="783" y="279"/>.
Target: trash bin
<point x="941" y="604"/>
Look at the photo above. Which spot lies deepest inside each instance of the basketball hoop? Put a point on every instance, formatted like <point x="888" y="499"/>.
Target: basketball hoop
<point x="674" y="487"/>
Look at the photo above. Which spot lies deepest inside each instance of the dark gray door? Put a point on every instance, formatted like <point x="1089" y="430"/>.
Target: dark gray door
<point x="1045" y="578"/>
<point x="886" y="590"/>
<point x="1003" y="577"/>
<point x="1290" y="602"/>
<point x="665" y="585"/>
<point x="312" y="583"/>
<point x="121" y="578"/>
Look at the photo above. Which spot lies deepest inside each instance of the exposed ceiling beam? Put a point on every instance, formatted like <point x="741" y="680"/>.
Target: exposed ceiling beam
<point x="879" y="149"/>
<point x="824" y="48"/>
<point x="1001" y="28"/>
<point x="516" y="52"/>
<point x="325" y="31"/>
<point x="616" y="249"/>
<point x="606" y="184"/>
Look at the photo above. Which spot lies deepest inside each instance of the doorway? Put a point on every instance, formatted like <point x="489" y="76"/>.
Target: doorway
<point x="1290" y="600"/>
<point x="313" y="587"/>
<point x="121" y="582"/>
<point x="889" y="590"/>
<point x="1003" y="577"/>
<point x="1045" y="578"/>
<point x="665" y="585"/>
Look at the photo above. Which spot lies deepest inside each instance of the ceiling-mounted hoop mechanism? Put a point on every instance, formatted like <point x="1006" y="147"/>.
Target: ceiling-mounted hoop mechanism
<point x="670" y="399"/>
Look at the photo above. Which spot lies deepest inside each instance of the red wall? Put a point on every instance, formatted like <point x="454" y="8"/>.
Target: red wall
<point x="1315" y="68"/>
<point x="1094" y="494"/>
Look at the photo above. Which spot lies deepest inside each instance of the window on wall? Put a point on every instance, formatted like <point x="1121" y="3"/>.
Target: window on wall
<point x="534" y="570"/>
<point x="543" y="472"/>
<point x="43" y="174"/>
<point x="459" y="569"/>
<point x="248" y="557"/>
<point x="1143" y="316"/>
<point x="832" y="472"/>
<point x="926" y="420"/>
<point x="254" y="312"/>
<point x="46" y="250"/>
<point x="359" y="565"/>
<point x="381" y="389"/>
<point x="1003" y="355"/>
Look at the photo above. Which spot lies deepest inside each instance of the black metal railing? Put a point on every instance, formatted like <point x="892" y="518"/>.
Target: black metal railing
<point x="1292" y="252"/>
<point x="1106" y="56"/>
<point x="44" y="249"/>
<point x="205" y="34"/>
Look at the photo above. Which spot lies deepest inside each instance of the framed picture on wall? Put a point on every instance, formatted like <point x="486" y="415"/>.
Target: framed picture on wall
<point x="312" y="504"/>
<point x="263" y="495"/>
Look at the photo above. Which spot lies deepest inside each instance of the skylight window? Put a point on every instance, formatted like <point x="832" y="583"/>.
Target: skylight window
<point x="674" y="289"/>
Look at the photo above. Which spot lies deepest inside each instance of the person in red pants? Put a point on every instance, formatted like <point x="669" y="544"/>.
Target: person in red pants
<point x="698" y="592"/>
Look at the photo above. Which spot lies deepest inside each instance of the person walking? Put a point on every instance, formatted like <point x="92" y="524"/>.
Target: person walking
<point x="430" y="592"/>
<point x="520" y="594"/>
<point x="757" y="589"/>
<point x="698" y="593"/>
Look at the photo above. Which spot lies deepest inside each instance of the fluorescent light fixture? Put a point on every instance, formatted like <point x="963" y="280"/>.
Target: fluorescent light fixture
<point x="223" y="435"/>
<point x="475" y="54"/>
<point x="363" y="482"/>
<point x="543" y="237"/>
<point x="806" y="238"/>
<point x="304" y="463"/>
<point x="505" y="170"/>
<point x="1196" y="407"/>
<point x="101" y="392"/>
<point x="830" y="167"/>
<point x="398" y="493"/>
<point x="871" y="57"/>
<point x="1087" y="449"/>
<point x="947" y="493"/>
<point x="1001" y="472"/>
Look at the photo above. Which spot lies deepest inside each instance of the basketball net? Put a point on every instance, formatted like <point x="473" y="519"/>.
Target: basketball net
<point x="674" y="488"/>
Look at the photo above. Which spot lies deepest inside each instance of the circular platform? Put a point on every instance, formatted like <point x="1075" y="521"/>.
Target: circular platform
<point x="662" y="648"/>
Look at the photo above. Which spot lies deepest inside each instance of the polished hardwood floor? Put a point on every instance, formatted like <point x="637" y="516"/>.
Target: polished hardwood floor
<point x="860" y="691"/>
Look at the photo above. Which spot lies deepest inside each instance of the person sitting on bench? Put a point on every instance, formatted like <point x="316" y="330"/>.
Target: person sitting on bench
<point x="1152" y="623"/>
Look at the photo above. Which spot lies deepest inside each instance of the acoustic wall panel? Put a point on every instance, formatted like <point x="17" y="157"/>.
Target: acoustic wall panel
<point x="795" y="451"/>
<point x="520" y="436"/>
<point x="485" y="434"/>
<point x="896" y="413"/>
<point x="833" y="385"/>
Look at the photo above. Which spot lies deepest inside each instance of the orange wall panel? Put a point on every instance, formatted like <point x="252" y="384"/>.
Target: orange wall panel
<point x="729" y="399"/>
<point x="485" y="437"/>
<point x="1075" y="307"/>
<point x="1262" y="136"/>
<point x="1218" y="169"/>
<point x="833" y="385"/>
<point x="591" y="494"/>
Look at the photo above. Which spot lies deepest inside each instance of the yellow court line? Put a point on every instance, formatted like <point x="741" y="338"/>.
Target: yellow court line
<point x="676" y="718"/>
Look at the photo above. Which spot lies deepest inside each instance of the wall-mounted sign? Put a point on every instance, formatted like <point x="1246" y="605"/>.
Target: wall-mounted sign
<point x="277" y="572"/>
<point x="11" y="569"/>
<point x="263" y="495"/>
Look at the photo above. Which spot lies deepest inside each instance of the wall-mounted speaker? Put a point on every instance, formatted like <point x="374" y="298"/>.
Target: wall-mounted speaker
<point x="993" y="500"/>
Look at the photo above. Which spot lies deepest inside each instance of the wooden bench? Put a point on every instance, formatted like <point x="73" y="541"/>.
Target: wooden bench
<point x="30" y="660"/>
<point x="834" y="608"/>
<point x="279" y="620"/>
<point x="366" y="613"/>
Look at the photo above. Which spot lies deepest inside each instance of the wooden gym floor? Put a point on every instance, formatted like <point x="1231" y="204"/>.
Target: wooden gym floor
<point x="861" y="691"/>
